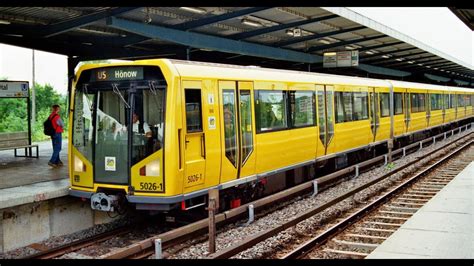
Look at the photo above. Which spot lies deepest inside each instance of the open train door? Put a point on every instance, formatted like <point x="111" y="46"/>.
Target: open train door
<point x="325" y="101"/>
<point x="237" y="130"/>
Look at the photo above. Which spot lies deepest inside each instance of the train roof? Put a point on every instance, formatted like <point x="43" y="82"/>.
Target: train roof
<point x="416" y="85"/>
<point x="225" y="71"/>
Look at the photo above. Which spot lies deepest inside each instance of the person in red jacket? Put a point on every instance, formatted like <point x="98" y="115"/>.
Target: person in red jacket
<point x="56" y="139"/>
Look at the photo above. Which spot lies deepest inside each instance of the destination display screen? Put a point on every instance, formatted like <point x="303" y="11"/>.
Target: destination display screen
<point x="117" y="74"/>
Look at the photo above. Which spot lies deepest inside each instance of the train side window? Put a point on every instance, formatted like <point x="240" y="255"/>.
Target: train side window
<point x="340" y="113"/>
<point x="436" y="103"/>
<point x="451" y="101"/>
<point x="398" y="104"/>
<point x="302" y="106"/>
<point x="460" y="100"/>
<point x="193" y="110"/>
<point x="384" y="104"/>
<point x="270" y="110"/>
<point x="417" y="102"/>
<point x="360" y="102"/>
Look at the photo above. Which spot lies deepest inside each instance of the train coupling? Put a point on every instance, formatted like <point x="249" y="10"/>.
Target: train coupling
<point x="102" y="202"/>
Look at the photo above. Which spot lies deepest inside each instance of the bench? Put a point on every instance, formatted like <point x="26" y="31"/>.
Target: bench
<point x="15" y="141"/>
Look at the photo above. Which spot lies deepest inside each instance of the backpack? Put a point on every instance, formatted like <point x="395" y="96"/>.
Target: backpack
<point x="48" y="128"/>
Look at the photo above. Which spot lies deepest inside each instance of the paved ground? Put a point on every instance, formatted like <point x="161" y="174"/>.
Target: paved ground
<point x="20" y="171"/>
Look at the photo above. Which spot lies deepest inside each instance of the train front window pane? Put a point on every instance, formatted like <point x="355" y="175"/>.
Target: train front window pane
<point x="111" y="143"/>
<point x="302" y="105"/>
<point x="384" y="104"/>
<point x="271" y="110"/>
<point x="83" y="129"/>
<point x="360" y="106"/>
<point x="398" y="104"/>
<point x="147" y="132"/>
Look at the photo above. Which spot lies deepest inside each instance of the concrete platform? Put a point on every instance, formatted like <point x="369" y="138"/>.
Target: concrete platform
<point x="442" y="229"/>
<point x="20" y="171"/>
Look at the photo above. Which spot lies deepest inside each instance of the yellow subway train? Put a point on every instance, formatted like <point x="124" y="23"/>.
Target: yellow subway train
<point x="160" y="133"/>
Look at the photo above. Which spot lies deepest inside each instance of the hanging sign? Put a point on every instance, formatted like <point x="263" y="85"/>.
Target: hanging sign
<point x="17" y="89"/>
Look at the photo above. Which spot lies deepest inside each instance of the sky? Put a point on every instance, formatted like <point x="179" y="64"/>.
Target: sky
<point x="437" y="27"/>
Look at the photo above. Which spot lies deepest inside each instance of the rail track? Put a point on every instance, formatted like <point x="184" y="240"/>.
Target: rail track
<point x="410" y="207"/>
<point x="197" y="230"/>
<point x="364" y="230"/>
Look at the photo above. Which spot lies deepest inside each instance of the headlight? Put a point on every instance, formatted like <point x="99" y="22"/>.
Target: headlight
<point x="151" y="169"/>
<point x="79" y="166"/>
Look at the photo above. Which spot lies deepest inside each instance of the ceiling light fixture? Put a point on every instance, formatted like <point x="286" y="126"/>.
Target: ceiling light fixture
<point x="4" y="22"/>
<point x="369" y="52"/>
<point x="399" y="59"/>
<point x="386" y="56"/>
<point x="350" y="47"/>
<point x="324" y="41"/>
<point x="194" y="9"/>
<point x="251" y="22"/>
<point x="289" y="32"/>
<point x="411" y="62"/>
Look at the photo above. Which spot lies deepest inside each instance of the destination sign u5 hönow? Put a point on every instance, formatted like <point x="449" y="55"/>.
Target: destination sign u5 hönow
<point x="117" y="73"/>
<point x="13" y="89"/>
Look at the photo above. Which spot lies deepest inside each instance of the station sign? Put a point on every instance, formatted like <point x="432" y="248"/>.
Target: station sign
<point x="117" y="74"/>
<point x="341" y="59"/>
<point x="14" y="89"/>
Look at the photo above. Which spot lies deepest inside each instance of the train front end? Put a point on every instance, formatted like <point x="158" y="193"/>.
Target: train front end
<point x="117" y="135"/>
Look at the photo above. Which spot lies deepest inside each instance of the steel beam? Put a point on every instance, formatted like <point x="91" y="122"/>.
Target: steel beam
<point x="378" y="46"/>
<point x="248" y="34"/>
<point x="366" y="58"/>
<point x="316" y="36"/>
<point x="213" y="19"/>
<point x="55" y="29"/>
<point x="337" y="44"/>
<point x="198" y="40"/>
<point x="378" y="61"/>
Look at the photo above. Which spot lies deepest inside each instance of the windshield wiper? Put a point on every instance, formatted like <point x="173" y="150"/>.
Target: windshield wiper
<point x="91" y="107"/>
<point x="116" y="91"/>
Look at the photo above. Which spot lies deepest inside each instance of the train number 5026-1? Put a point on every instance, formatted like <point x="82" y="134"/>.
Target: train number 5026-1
<point x="150" y="186"/>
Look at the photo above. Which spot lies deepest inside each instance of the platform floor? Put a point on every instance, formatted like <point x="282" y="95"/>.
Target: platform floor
<point x="20" y="171"/>
<point x="442" y="229"/>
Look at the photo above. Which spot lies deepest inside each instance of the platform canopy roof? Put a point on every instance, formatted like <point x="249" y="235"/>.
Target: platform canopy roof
<point x="466" y="15"/>
<point x="277" y="37"/>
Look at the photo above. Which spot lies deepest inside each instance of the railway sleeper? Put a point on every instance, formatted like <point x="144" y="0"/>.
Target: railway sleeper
<point x="416" y="200"/>
<point x="377" y="230"/>
<point x="404" y="203"/>
<point x="397" y="213"/>
<point x="383" y="224"/>
<point x="404" y="209"/>
<point x="347" y="253"/>
<point x="357" y="245"/>
<point x="376" y="238"/>
<point x="390" y="218"/>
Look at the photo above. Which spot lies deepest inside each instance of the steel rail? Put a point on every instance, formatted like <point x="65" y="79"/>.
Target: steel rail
<point x="76" y="245"/>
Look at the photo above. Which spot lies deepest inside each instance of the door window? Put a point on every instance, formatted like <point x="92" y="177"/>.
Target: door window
<point x="246" y="124"/>
<point x="230" y="133"/>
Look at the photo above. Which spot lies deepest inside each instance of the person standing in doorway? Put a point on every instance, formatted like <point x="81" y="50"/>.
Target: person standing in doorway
<point x="56" y="139"/>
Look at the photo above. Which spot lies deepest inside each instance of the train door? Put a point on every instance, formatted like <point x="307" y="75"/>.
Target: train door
<point x="194" y="147"/>
<point x="374" y="113"/>
<point x="407" y="109"/>
<point x="237" y="130"/>
<point x="326" y="119"/>
<point x="428" y="108"/>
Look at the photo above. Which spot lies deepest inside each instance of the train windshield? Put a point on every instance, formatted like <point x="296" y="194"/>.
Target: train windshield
<point x="117" y="124"/>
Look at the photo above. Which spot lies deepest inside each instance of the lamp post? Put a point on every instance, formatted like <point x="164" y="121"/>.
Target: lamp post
<point x="33" y="97"/>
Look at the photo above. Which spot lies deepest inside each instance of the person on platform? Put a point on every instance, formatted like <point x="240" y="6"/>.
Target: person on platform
<point x="56" y="139"/>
